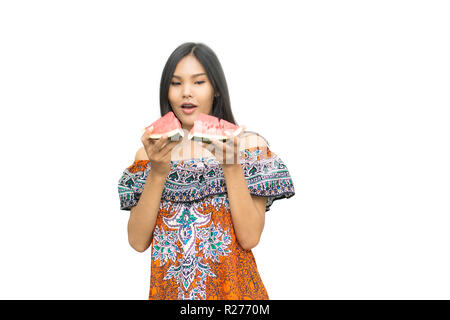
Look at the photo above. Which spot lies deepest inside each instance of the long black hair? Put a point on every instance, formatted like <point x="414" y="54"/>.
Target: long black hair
<point x="221" y="104"/>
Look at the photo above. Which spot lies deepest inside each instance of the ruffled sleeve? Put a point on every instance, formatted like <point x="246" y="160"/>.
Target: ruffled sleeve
<point x="132" y="183"/>
<point x="265" y="172"/>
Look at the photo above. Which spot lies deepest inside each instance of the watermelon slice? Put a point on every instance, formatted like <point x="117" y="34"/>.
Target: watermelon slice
<point x="208" y="127"/>
<point x="230" y="127"/>
<point x="167" y="124"/>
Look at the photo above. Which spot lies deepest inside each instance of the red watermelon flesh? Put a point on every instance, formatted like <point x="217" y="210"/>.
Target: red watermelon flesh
<point x="167" y="124"/>
<point x="208" y="127"/>
<point x="205" y="128"/>
<point x="230" y="127"/>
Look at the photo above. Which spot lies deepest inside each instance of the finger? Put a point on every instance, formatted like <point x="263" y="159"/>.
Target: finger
<point x="217" y="144"/>
<point x="168" y="148"/>
<point x="225" y="145"/>
<point x="146" y="136"/>
<point x="209" y="146"/>
<point x="212" y="145"/>
<point x="146" y="141"/>
<point x="220" y="148"/>
<point x="161" y="142"/>
<point x="230" y="147"/>
<point x="168" y="143"/>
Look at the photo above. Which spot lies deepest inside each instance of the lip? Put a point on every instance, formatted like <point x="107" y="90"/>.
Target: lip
<point x="189" y="111"/>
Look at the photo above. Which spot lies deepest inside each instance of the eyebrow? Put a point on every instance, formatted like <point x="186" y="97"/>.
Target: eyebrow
<point x="193" y="76"/>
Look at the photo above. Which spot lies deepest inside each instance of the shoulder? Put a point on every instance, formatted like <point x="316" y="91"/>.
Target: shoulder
<point x="251" y="139"/>
<point x="141" y="154"/>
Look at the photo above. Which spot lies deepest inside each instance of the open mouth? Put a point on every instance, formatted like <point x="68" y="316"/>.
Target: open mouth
<point x="188" y="106"/>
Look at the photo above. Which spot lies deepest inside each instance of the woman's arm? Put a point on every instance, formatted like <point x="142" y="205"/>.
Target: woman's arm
<point x="143" y="216"/>
<point x="247" y="211"/>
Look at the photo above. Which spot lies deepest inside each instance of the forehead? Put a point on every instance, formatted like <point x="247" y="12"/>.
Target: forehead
<point x="188" y="67"/>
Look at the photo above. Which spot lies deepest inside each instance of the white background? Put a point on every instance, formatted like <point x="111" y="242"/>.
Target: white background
<point x="352" y="95"/>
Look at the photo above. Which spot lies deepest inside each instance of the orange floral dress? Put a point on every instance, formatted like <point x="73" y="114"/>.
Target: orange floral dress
<point x="195" y="253"/>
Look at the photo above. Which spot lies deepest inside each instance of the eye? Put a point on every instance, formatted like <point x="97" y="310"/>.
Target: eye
<point x="177" y="83"/>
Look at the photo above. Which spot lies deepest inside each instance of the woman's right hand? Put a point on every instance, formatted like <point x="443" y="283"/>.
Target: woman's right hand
<point x="158" y="152"/>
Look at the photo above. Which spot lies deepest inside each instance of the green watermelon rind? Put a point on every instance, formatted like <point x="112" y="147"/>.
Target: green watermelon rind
<point x="173" y="135"/>
<point x="207" y="138"/>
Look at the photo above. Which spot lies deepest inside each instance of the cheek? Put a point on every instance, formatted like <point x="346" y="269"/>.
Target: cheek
<point x="207" y="90"/>
<point x="206" y="108"/>
<point x="171" y="93"/>
<point x="207" y="95"/>
<point x="172" y="96"/>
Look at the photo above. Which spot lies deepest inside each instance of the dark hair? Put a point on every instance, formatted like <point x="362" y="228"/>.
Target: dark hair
<point x="221" y="104"/>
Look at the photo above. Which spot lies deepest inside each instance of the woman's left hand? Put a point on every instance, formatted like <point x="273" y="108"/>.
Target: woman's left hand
<point x="227" y="153"/>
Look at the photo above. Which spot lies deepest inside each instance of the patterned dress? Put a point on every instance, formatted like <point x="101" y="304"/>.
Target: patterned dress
<point x="195" y="253"/>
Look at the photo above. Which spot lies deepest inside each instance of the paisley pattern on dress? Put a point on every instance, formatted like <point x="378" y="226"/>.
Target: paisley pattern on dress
<point x="195" y="252"/>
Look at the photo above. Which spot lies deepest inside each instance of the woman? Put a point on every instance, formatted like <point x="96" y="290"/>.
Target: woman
<point x="201" y="210"/>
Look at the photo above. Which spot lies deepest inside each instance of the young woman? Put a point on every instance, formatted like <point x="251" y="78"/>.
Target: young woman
<point x="202" y="209"/>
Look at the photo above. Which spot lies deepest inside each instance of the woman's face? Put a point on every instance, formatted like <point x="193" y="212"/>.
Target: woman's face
<point x="190" y="84"/>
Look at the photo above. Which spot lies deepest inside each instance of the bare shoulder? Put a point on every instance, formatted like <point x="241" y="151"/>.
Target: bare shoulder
<point x="141" y="154"/>
<point x="250" y="139"/>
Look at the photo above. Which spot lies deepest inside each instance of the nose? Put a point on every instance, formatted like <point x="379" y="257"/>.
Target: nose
<point x="187" y="91"/>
